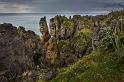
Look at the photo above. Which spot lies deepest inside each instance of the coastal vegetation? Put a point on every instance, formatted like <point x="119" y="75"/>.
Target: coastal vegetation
<point x="104" y="63"/>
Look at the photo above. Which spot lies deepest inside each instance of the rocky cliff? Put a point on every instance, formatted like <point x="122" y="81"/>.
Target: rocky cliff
<point x="93" y="45"/>
<point x="62" y="44"/>
<point x="18" y="49"/>
<point x="70" y="38"/>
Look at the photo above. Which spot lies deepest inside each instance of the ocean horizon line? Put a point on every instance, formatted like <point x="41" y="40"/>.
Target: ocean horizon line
<point x="59" y="13"/>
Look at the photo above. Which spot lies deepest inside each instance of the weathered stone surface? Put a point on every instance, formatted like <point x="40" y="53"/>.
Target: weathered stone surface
<point x="17" y="48"/>
<point x="51" y="50"/>
<point x="61" y="28"/>
<point x="48" y="42"/>
<point x="3" y="79"/>
<point x="52" y="27"/>
<point x="44" y="30"/>
<point x="49" y="75"/>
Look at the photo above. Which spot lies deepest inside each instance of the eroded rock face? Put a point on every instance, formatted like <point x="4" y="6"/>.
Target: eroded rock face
<point x="63" y="42"/>
<point x="52" y="27"/>
<point x="48" y="42"/>
<point x="3" y="79"/>
<point x="49" y="75"/>
<point x="61" y="28"/>
<point x="51" y="50"/>
<point x="44" y="30"/>
<point x="17" y="48"/>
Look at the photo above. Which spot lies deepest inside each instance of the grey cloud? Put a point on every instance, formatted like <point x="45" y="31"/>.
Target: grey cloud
<point x="61" y="5"/>
<point x="14" y="8"/>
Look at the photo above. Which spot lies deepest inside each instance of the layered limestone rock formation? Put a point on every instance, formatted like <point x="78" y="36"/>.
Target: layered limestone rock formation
<point x="70" y="38"/>
<point x="44" y="30"/>
<point x="62" y="29"/>
<point x="47" y="42"/>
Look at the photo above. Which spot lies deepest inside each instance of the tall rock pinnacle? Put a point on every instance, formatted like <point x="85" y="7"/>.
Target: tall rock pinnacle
<point x="44" y="30"/>
<point x="47" y="42"/>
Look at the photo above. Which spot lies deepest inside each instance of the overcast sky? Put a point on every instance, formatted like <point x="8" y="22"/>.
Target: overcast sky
<point x="61" y="6"/>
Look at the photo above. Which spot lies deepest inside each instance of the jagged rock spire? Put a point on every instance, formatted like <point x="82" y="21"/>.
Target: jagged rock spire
<point x="44" y="30"/>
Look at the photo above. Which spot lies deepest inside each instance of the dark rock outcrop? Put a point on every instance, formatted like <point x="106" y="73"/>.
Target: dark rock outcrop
<point x="17" y="48"/>
<point x="49" y="75"/>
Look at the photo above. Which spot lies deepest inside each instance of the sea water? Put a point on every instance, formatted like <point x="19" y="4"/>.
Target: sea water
<point x="28" y="20"/>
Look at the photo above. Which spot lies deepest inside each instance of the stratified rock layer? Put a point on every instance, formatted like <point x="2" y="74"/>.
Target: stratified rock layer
<point x="60" y="43"/>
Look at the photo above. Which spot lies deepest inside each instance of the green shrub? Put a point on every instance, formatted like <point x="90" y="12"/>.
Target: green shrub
<point x="68" y="23"/>
<point x="82" y="38"/>
<point x="106" y="39"/>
